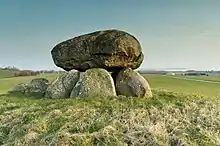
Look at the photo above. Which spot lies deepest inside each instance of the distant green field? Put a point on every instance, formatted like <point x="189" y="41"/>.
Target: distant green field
<point x="184" y="86"/>
<point x="207" y="78"/>
<point x="7" y="83"/>
<point x="6" y="73"/>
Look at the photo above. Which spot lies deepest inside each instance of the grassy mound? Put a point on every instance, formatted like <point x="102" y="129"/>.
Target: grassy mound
<point x="168" y="119"/>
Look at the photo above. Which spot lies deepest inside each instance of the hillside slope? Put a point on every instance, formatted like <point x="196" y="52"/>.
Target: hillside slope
<point x="168" y="119"/>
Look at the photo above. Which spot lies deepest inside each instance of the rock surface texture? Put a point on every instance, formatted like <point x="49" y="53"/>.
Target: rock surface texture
<point x="63" y="85"/>
<point x="108" y="49"/>
<point x="37" y="87"/>
<point x="94" y="82"/>
<point x="131" y="83"/>
<point x="18" y="89"/>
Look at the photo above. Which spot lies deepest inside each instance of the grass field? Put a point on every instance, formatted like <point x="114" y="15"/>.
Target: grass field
<point x="6" y="73"/>
<point x="207" y="78"/>
<point x="7" y="83"/>
<point x="170" y="118"/>
<point x="183" y="86"/>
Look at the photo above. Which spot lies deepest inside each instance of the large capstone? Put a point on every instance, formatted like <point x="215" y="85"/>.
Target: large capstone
<point x="94" y="82"/>
<point x="131" y="83"/>
<point x="109" y="49"/>
<point x="63" y="85"/>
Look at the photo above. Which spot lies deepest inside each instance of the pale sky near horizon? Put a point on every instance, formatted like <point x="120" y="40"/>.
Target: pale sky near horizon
<point x="173" y="33"/>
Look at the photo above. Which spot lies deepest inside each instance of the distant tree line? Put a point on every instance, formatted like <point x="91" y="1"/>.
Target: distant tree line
<point x="196" y="74"/>
<point x="152" y="72"/>
<point x="25" y="73"/>
<point x="19" y="72"/>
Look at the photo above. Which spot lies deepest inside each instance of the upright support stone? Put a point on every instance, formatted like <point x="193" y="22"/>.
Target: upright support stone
<point x="94" y="82"/>
<point x="131" y="83"/>
<point x="63" y="85"/>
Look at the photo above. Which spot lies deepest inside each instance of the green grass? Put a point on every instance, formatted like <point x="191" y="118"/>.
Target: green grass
<point x="170" y="118"/>
<point x="7" y="83"/>
<point x="183" y="86"/>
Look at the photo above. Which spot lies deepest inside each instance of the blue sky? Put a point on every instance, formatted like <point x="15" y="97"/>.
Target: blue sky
<point x="173" y="33"/>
